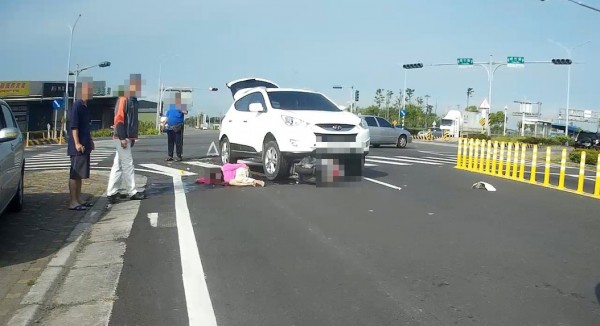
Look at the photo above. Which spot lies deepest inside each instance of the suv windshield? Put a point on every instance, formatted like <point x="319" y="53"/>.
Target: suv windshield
<point x="291" y="100"/>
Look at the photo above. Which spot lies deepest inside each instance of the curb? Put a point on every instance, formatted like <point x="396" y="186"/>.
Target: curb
<point x="38" y="293"/>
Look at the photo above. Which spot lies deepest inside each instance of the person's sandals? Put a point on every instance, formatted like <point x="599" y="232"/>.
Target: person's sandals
<point x="169" y="159"/>
<point x="78" y="208"/>
<point x="179" y="158"/>
<point x="138" y="196"/>
<point x="87" y="204"/>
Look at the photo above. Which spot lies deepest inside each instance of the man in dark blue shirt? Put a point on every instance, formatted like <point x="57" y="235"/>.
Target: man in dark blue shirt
<point x="175" y="121"/>
<point x="80" y="146"/>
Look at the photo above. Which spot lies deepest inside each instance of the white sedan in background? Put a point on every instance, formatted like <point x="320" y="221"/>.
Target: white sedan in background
<point x="382" y="132"/>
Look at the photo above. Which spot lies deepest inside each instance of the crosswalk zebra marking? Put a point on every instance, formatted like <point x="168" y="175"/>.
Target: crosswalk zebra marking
<point x="387" y="162"/>
<point x="58" y="159"/>
<point x="406" y="160"/>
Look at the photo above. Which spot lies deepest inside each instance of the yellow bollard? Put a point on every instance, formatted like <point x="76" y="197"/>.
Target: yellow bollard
<point x="533" y="171"/>
<point x="488" y="157"/>
<point x="547" y="170"/>
<point x="465" y="158"/>
<point x="508" y="159"/>
<point x="522" y="170"/>
<point x="27" y="141"/>
<point x="482" y="156"/>
<point x="476" y="155"/>
<point x="494" y="156"/>
<point x="563" y="164"/>
<point x="597" y="190"/>
<point x="470" y="167"/>
<point x="458" y="158"/>
<point x="515" y="162"/>
<point x="501" y="160"/>
<point x="581" y="173"/>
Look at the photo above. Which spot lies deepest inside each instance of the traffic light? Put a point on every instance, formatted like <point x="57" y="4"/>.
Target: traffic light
<point x="561" y="61"/>
<point x="413" y="66"/>
<point x="356" y="96"/>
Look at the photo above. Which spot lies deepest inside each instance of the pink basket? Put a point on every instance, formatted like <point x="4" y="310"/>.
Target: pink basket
<point x="229" y="171"/>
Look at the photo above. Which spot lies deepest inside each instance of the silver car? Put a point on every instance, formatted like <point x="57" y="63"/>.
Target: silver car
<point x="382" y="132"/>
<point x="12" y="161"/>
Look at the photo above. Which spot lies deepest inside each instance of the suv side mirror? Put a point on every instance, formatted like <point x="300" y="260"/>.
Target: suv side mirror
<point x="256" y="107"/>
<point x="8" y="134"/>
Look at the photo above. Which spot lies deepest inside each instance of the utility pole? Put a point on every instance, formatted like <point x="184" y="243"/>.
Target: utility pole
<point x="427" y="108"/>
<point x="505" y="120"/>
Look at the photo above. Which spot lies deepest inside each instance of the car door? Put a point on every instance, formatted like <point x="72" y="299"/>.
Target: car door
<point x="374" y="130"/>
<point x="15" y="152"/>
<point x="256" y="124"/>
<point x="6" y="158"/>
<point x="236" y="126"/>
<point x="388" y="132"/>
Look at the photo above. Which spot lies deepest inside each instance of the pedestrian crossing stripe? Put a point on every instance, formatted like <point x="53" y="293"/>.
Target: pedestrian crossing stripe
<point x="58" y="159"/>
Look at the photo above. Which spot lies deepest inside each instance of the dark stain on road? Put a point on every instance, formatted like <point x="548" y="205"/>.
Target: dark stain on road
<point x="598" y="292"/>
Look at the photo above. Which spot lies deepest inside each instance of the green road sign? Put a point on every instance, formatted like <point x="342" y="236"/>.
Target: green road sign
<point x="464" y="61"/>
<point x="515" y="60"/>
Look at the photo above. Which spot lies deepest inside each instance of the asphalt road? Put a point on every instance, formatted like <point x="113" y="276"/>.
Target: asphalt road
<point x="434" y="252"/>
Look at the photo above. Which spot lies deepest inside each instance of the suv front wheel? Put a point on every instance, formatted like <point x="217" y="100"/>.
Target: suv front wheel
<point x="274" y="163"/>
<point x="226" y="152"/>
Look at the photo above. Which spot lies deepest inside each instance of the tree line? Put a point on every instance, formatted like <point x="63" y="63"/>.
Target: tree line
<point x="419" y="113"/>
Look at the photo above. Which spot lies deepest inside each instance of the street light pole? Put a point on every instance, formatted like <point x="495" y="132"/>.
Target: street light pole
<point x="569" y="52"/>
<point x="403" y="97"/>
<point x="159" y="100"/>
<point x="491" y="70"/>
<point x="351" y="94"/>
<point x="78" y="71"/>
<point x="581" y="4"/>
<point x="66" y="102"/>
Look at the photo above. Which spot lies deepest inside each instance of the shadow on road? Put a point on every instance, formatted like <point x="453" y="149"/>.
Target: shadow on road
<point x="38" y="231"/>
<point x="598" y="292"/>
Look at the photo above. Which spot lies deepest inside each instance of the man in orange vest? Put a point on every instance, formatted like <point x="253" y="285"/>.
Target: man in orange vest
<point x="124" y="135"/>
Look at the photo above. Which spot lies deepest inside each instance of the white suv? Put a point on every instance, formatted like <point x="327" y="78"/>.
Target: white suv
<point x="282" y="126"/>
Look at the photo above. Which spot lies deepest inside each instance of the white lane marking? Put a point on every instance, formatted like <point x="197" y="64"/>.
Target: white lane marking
<point x="370" y="165"/>
<point x="445" y="160"/>
<point x="436" y="153"/>
<point x="153" y="217"/>
<point x="166" y="169"/>
<point x="383" y="183"/>
<point x="202" y="164"/>
<point x="386" y="162"/>
<point x="405" y="159"/>
<point x="199" y="307"/>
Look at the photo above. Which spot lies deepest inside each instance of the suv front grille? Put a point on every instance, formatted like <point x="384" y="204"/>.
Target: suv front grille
<point x="328" y="138"/>
<point x="336" y="126"/>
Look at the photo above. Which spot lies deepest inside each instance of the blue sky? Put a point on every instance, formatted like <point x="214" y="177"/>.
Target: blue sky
<point x="312" y="44"/>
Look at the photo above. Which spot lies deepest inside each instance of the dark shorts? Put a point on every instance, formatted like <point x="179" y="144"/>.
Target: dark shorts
<point x="80" y="167"/>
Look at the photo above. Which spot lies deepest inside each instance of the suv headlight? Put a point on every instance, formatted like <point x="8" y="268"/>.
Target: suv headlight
<point x="363" y="124"/>
<point x="293" y="121"/>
